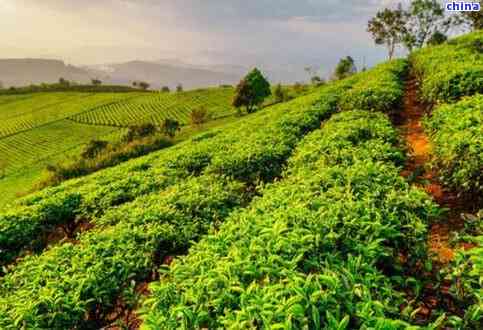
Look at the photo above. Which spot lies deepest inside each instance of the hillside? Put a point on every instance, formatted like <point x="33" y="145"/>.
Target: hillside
<point x="317" y="213"/>
<point x="44" y="128"/>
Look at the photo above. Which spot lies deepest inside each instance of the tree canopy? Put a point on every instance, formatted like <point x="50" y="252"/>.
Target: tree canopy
<point x="388" y="28"/>
<point x="252" y="91"/>
<point x="345" y="68"/>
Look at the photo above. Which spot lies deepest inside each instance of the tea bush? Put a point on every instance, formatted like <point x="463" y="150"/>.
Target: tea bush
<point x="456" y="133"/>
<point x="450" y="71"/>
<point x="306" y="253"/>
<point x="381" y="89"/>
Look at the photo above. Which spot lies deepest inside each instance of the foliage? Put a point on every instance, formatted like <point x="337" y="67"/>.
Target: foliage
<point x="167" y="216"/>
<point x="170" y="127"/>
<point x="425" y="18"/>
<point x="199" y="116"/>
<point x="143" y="85"/>
<point x="139" y="131"/>
<point x="456" y="134"/>
<point x="94" y="148"/>
<point x="156" y="107"/>
<point x="279" y="93"/>
<point x="437" y="39"/>
<point x="300" y="88"/>
<point x="345" y="68"/>
<point x="465" y="274"/>
<point x="96" y="82"/>
<point x="179" y="88"/>
<point x="165" y="89"/>
<point x="388" y="28"/>
<point x="317" y="81"/>
<point x="111" y="155"/>
<point x="304" y="254"/>
<point x="380" y="89"/>
<point x="451" y="70"/>
<point x="252" y="91"/>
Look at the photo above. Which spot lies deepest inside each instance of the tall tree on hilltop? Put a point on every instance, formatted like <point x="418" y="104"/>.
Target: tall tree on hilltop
<point x="424" y="20"/>
<point x="252" y="91"/>
<point x="388" y="28"/>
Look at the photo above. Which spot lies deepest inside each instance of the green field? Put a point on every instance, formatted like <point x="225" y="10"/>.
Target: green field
<point x="295" y="217"/>
<point x="43" y="128"/>
<point x="158" y="106"/>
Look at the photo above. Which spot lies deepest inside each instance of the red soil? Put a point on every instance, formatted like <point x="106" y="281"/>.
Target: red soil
<point x="417" y="169"/>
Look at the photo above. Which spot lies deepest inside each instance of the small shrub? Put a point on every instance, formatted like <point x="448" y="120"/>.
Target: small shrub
<point x="136" y="132"/>
<point x="170" y="127"/>
<point x="199" y="116"/>
<point x="94" y="148"/>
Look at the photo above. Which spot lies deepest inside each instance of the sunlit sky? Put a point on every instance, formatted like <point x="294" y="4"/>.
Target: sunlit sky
<point x="229" y="31"/>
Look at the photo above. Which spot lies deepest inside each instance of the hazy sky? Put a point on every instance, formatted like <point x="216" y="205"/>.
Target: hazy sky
<point x="230" y="31"/>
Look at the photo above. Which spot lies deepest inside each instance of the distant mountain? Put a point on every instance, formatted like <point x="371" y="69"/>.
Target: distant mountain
<point x="167" y="72"/>
<point x="22" y="72"/>
<point x="161" y="74"/>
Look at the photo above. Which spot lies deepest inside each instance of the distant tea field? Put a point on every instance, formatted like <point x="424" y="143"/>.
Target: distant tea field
<point x="42" y="128"/>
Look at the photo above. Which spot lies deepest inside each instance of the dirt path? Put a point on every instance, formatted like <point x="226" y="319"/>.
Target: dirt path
<point x="417" y="171"/>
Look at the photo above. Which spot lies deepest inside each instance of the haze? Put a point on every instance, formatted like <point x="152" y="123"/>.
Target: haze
<point x="284" y="34"/>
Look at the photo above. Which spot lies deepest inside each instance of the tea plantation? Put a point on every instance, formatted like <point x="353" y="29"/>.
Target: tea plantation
<point x="295" y="217"/>
<point x="44" y="128"/>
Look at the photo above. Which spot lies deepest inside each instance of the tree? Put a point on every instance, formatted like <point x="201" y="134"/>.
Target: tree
<point x="345" y="68"/>
<point x="165" y="89"/>
<point x="143" y="85"/>
<point x="179" y="88"/>
<point x="135" y="84"/>
<point x="96" y="82"/>
<point x="64" y="82"/>
<point x="198" y="116"/>
<point x="170" y="127"/>
<point x="424" y="19"/>
<point x="473" y="19"/>
<point x="252" y="91"/>
<point x="388" y="28"/>
<point x="437" y="38"/>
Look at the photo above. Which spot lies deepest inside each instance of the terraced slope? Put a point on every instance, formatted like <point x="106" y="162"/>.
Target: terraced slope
<point x="44" y="128"/>
<point x="159" y="106"/>
<point x="143" y="211"/>
<point x="44" y="108"/>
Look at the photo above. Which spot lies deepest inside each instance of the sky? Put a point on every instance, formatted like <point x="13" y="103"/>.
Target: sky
<point x="281" y="33"/>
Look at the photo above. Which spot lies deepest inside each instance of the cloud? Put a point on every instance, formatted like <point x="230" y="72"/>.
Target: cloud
<point x="278" y="30"/>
